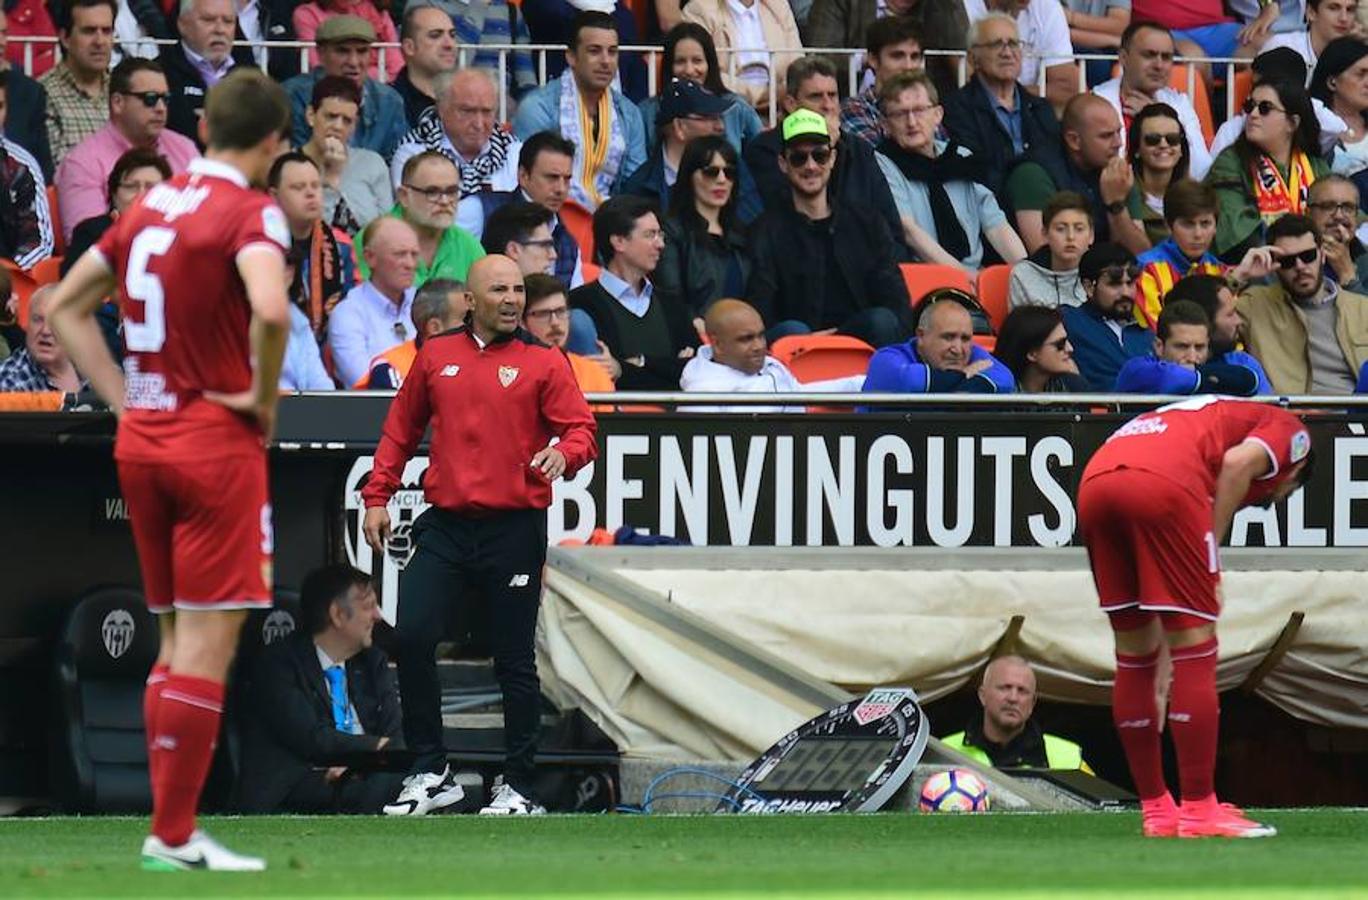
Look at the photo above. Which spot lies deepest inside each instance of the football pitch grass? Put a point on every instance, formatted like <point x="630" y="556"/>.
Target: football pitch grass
<point x="1318" y="854"/>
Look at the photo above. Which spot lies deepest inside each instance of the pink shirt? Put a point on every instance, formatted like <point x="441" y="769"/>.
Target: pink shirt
<point x="82" y="176"/>
<point x="307" y="17"/>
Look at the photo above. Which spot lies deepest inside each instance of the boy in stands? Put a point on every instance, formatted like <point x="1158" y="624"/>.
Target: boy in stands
<point x="1155" y="503"/>
<point x="200" y="267"/>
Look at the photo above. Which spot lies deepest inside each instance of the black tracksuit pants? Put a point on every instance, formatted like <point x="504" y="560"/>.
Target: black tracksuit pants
<point x="458" y="561"/>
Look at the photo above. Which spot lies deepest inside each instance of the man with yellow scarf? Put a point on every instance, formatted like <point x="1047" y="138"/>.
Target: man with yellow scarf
<point x="583" y="106"/>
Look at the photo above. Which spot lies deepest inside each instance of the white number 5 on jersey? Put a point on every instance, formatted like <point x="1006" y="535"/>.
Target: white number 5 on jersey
<point x="148" y="335"/>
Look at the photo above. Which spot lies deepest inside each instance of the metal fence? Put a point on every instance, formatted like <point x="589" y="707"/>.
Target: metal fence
<point x="389" y="61"/>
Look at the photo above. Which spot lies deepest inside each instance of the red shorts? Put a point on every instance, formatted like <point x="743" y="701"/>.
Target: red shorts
<point x="1151" y="548"/>
<point x="203" y="532"/>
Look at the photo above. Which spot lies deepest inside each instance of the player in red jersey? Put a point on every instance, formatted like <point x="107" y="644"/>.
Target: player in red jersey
<point x="199" y="267"/>
<point x="1156" y="501"/>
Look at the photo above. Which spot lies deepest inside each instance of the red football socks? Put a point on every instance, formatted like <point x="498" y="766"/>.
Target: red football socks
<point x="151" y="698"/>
<point x="1136" y="718"/>
<point x="1195" y="716"/>
<point x="187" y="726"/>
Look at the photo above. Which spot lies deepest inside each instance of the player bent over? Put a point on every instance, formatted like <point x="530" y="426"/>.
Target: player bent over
<point x="1155" y="503"/>
<point x="199" y="264"/>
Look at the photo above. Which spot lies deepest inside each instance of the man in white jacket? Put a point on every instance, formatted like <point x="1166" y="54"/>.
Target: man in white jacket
<point x="737" y="362"/>
<point x="1146" y="58"/>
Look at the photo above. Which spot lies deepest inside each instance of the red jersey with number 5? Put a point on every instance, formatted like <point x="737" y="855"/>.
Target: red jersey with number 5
<point x="185" y="311"/>
<point x="1186" y="443"/>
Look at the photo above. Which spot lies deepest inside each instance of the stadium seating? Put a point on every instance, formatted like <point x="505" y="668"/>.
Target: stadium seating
<point x="1201" y="103"/>
<point x="923" y="278"/>
<point x="816" y="357"/>
<point x="105" y="651"/>
<point x="992" y="293"/>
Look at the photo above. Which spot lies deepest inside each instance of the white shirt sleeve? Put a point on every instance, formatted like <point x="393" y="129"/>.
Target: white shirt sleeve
<point x="1052" y="36"/>
<point x="1199" y="157"/>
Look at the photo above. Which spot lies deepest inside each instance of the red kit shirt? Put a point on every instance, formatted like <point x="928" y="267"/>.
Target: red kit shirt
<point x="185" y="311"/>
<point x="1186" y="443"/>
<point x="491" y="409"/>
<point x="1179" y="16"/>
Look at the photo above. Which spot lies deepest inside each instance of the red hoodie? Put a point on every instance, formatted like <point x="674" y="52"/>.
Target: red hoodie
<point x="491" y="410"/>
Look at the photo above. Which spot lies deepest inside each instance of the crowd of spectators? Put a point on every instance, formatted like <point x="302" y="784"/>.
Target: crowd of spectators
<point x="668" y="240"/>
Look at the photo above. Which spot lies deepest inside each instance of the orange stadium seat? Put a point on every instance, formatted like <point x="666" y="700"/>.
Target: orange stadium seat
<point x="816" y="357"/>
<point x="992" y="293"/>
<point x="1178" y="80"/>
<point x="49" y="271"/>
<point x="23" y="284"/>
<point x="923" y="278"/>
<point x="1244" y="83"/>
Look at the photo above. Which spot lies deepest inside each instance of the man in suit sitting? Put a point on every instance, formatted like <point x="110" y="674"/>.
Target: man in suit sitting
<point x="323" y="693"/>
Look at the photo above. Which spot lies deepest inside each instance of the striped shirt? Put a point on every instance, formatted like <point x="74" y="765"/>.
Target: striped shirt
<point x="1160" y="269"/>
<point x="488" y="22"/>
<point x="25" y="220"/>
<point x="72" y="114"/>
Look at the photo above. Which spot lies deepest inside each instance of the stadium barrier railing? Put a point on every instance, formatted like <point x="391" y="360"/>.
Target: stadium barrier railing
<point x="389" y="61"/>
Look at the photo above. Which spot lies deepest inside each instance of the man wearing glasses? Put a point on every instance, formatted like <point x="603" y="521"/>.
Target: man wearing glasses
<point x="1310" y="334"/>
<point x="429" y="189"/>
<point x="1333" y="205"/>
<point x="992" y="115"/>
<point x="138" y="97"/>
<point x="1044" y="35"/>
<point x="823" y="263"/>
<point x="1103" y="330"/>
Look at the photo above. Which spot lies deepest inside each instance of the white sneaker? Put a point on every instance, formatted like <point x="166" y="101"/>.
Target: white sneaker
<point x="200" y="852"/>
<point x="508" y="802"/>
<point x="426" y="792"/>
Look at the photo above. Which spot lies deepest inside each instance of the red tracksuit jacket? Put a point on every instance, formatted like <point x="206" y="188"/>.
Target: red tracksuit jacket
<point x="491" y="410"/>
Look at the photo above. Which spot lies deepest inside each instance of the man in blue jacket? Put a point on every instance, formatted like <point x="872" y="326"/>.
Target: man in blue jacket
<point x="1182" y="361"/>
<point x="1103" y="330"/>
<point x="941" y="359"/>
<point x="1217" y="300"/>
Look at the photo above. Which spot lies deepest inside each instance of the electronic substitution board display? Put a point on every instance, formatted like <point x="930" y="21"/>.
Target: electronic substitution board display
<point x="849" y="759"/>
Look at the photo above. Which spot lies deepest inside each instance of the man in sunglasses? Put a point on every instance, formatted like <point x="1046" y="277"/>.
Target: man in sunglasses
<point x="1146" y="59"/>
<point x="1103" y="330"/>
<point x="1333" y="205"/>
<point x="824" y="263"/>
<point x="1310" y="334"/>
<point x="138" y="98"/>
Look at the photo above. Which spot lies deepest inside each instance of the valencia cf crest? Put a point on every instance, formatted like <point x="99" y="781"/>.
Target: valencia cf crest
<point x="507" y="375"/>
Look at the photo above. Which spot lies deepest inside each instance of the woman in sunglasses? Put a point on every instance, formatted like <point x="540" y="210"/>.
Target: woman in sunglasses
<point x="1035" y="346"/>
<point x="705" y="256"/>
<point x="1341" y="83"/>
<point x="1267" y="172"/>
<point x="1159" y="156"/>
<point x="690" y="53"/>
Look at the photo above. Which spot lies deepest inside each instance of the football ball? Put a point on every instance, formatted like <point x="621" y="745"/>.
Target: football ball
<point x="957" y="790"/>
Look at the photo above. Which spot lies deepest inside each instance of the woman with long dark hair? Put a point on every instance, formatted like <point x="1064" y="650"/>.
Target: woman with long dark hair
<point x="1268" y="171"/>
<point x="1159" y="155"/>
<point x="690" y="53"/>
<point x="1341" y="83"/>
<point x="705" y="256"/>
<point x="1035" y="346"/>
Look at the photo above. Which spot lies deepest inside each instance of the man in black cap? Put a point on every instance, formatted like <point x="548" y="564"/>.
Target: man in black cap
<point x="687" y="111"/>
<point x="1103" y="330"/>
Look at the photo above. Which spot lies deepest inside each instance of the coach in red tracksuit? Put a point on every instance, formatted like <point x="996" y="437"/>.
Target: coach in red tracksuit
<point x="496" y="398"/>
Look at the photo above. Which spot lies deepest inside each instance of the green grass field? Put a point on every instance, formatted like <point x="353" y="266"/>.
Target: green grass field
<point x="1319" y="854"/>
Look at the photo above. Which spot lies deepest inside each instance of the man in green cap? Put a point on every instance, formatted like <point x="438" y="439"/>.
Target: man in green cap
<point x="344" y="49"/>
<point x="824" y="263"/>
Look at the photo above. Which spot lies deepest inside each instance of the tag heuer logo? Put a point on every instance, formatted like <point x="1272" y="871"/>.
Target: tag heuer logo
<point x="117" y="632"/>
<point x="879" y="703"/>
<point x="507" y="374"/>
<point x="450" y="371"/>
